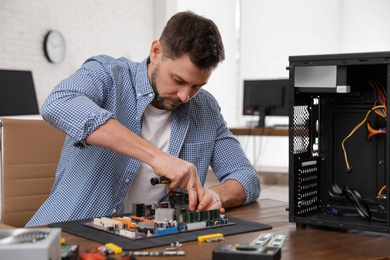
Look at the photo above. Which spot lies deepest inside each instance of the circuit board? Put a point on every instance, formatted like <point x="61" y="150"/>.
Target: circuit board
<point x="142" y="232"/>
<point x="168" y="216"/>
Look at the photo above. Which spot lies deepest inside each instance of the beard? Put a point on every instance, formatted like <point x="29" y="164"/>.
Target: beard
<point x="157" y="96"/>
<point x="159" y="99"/>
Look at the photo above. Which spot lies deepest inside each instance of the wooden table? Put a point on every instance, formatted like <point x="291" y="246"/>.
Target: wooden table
<point x="301" y="243"/>
<point x="261" y="131"/>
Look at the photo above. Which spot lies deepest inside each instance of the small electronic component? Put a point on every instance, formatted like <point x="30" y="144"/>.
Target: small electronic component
<point x="69" y="252"/>
<point x="277" y="241"/>
<point x="196" y="225"/>
<point x="269" y="240"/>
<point x="174" y="246"/>
<point x="107" y="222"/>
<point x="211" y="237"/>
<point x="126" y="222"/>
<point x="248" y="252"/>
<point x="262" y="239"/>
<point x="164" y="231"/>
<point x="127" y="233"/>
<point x="153" y="253"/>
<point x="103" y="252"/>
<point x="114" y="248"/>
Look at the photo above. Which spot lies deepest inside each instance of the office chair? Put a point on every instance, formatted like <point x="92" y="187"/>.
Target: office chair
<point x="30" y="152"/>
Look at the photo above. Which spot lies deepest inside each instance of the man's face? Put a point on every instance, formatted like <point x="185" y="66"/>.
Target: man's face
<point x="175" y="81"/>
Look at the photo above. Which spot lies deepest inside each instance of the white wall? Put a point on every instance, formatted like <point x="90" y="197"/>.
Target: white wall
<point x="90" y="27"/>
<point x="364" y="26"/>
<point x="223" y="82"/>
<point x="271" y="30"/>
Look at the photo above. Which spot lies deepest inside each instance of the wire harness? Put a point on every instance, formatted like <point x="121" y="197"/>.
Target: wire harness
<point x="379" y="108"/>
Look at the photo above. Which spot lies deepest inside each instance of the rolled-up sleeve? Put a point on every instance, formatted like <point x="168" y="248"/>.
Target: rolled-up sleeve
<point x="77" y="105"/>
<point x="229" y="162"/>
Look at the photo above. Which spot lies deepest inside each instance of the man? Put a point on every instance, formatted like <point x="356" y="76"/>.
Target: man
<point x="127" y="122"/>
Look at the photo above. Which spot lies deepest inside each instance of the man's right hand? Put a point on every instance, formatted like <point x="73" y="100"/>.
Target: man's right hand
<point x="183" y="175"/>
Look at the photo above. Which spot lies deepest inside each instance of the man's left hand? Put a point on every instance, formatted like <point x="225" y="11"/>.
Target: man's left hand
<point x="210" y="201"/>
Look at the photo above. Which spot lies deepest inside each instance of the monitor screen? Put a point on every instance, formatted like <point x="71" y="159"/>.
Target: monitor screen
<point x="266" y="98"/>
<point x="17" y="93"/>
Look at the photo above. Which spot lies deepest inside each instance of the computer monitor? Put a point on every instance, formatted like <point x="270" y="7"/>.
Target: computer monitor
<point x="266" y="98"/>
<point x="17" y="93"/>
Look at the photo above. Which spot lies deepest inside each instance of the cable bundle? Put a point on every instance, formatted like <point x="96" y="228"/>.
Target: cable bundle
<point x="379" y="108"/>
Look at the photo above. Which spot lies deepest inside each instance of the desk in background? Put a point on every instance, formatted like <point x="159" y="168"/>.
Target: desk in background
<point x="253" y="142"/>
<point x="260" y="131"/>
<point x="301" y="243"/>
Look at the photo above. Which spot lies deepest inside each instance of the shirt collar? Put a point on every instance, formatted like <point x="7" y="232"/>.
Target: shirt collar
<point x="143" y="86"/>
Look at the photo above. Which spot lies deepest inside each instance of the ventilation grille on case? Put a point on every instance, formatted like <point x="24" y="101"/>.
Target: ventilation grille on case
<point x="301" y="129"/>
<point x="307" y="189"/>
<point x="21" y="236"/>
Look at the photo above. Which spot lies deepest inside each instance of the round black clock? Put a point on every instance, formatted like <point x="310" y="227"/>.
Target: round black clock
<point x="54" y="46"/>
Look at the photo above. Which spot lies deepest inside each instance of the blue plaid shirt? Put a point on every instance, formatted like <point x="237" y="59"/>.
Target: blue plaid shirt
<point x="92" y="181"/>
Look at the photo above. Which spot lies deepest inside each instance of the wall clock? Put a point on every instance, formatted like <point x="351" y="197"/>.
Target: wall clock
<point x="54" y="46"/>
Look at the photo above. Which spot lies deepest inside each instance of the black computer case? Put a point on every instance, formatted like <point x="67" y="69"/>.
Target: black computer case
<point x="338" y="141"/>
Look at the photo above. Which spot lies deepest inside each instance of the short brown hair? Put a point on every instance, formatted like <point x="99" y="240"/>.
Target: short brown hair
<point x="195" y="35"/>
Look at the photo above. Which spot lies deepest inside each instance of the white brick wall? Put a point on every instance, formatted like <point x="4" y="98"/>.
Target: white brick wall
<point x="91" y="27"/>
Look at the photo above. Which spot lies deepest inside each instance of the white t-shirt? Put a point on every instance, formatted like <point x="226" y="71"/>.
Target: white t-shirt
<point x="156" y="129"/>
